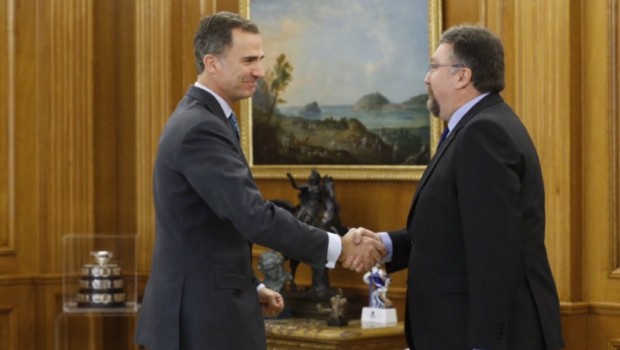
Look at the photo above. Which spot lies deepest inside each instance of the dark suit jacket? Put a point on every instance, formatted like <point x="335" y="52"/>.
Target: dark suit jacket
<point x="474" y="244"/>
<point x="200" y="293"/>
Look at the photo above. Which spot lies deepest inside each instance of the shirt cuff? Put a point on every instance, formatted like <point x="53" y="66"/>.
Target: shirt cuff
<point x="260" y="286"/>
<point x="389" y="248"/>
<point x="334" y="248"/>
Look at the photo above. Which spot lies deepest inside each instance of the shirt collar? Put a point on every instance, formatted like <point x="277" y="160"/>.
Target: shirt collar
<point x="225" y="107"/>
<point x="461" y="111"/>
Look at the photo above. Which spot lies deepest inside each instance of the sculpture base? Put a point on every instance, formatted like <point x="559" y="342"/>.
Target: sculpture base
<point x="373" y="317"/>
<point x="337" y="322"/>
<point x="303" y="303"/>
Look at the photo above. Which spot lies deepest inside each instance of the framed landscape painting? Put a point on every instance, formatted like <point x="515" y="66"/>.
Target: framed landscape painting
<point x="344" y="88"/>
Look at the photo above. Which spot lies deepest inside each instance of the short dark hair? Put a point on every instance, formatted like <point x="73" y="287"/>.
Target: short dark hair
<point x="480" y="50"/>
<point x="214" y="34"/>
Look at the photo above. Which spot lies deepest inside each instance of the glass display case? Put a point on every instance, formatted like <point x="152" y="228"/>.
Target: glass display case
<point x="99" y="273"/>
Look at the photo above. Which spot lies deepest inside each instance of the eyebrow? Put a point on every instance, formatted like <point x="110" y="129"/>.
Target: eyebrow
<point x="253" y="58"/>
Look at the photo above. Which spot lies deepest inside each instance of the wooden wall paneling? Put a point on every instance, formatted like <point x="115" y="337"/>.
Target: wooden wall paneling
<point x="604" y="327"/>
<point x="614" y="134"/>
<point x="575" y="323"/>
<point x="545" y="98"/>
<point x="152" y="105"/>
<point x="105" y="114"/>
<point x="16" y="313"/>
<point x="461" y="12"/>
<point x="15" y="180"/>
<point x="498" y="16"/>
<point x="114" y="116"/>
<point x="226" y="5"/>
<point x="114" y="125"/>
<point x="161" y="59"/>
<point x="7" y="76"/>
<point x="58" y="330"/>
<point x="125" y="87"/>
<point x="8" y="325"/>
<point x="5" y="333"/>
<point x="600" y="132"/>
<point x="66" y="105"/>
<point x="183" y="28"/>
<point x="597" y="60"/>
<point x="8" y="321"/>
<point x="47" y="309"/>
<point x="23" y="110"/>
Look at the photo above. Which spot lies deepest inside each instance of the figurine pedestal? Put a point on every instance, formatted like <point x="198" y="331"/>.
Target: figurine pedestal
<point x="374" y="317"/>
<point x="302" y="304"/>
<point x="313" y="334"/>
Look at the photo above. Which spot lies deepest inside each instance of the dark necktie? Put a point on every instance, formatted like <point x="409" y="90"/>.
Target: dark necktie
<point x="235" y="125"/>
<point x="444" y="134"/>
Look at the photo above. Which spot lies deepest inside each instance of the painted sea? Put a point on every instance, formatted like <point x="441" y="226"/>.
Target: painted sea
<point x="394" y="135"/>
<point x="411" y="117"/>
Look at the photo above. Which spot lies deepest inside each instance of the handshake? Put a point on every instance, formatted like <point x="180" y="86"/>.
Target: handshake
<point x="361" y="249"/>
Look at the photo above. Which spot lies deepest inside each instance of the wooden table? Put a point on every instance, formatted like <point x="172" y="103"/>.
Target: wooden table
<point x="309" y="334"/>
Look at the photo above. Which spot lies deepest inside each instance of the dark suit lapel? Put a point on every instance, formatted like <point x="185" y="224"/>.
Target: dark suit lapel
<point x="489" y="100"/>
<point x="213" y="106"/>
<point x="207" y="100"/>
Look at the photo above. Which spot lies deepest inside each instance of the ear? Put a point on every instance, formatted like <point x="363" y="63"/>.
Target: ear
<point x="464" y="78"/>
<point x="210" y="63"/>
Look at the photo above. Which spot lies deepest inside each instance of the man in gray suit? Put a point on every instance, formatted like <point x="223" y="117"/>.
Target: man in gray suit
<point x="201" y="292"/>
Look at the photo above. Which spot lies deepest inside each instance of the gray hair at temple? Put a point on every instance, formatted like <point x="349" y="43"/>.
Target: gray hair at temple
<point x="480" y="50"/>
<point x="214" y="35"/>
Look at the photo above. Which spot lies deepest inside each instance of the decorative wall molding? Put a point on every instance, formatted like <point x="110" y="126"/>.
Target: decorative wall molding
<point x="574" y="308"/>
<point x="614" y="130"/>
<point x="8" y="325"/>
<point x="609" y="309"/>
<point x="7" y="129"/>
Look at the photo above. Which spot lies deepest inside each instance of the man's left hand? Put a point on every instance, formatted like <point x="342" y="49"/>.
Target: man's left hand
<point x="271" y="302"/>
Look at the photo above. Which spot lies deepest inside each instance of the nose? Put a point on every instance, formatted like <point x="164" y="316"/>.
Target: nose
<point x="427" y="77"/>
<point x="258" y="70"/>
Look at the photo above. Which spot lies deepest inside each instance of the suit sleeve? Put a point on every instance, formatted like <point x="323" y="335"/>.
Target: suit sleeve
<point x="401" y="249"/>
<point x="488" y="167"/>
<point x="215" y="167"/>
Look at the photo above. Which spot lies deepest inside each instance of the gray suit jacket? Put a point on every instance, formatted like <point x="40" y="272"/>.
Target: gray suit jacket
<point x="200" y="293"/>
<point x="474" y="244"/>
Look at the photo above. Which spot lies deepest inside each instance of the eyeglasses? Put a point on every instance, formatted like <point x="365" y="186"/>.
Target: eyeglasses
<point x="434" y="66"/>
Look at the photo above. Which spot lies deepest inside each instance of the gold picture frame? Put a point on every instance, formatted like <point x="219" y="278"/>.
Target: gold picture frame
<point x="342" y="171"/>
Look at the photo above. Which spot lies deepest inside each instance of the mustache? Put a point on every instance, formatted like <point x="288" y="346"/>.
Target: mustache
<point x="431" y="104"/>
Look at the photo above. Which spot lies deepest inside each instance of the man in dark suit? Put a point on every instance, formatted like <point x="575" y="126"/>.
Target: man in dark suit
<point x="478" y="272"/>
<point x="200" y="294"/>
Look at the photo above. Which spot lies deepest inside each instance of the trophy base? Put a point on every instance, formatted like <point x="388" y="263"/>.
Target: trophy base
<point x="373" y="317"/>
<point x="101" y="306"/>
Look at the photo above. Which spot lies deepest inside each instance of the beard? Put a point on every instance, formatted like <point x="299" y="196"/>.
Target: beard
<point x="431" y="103"/>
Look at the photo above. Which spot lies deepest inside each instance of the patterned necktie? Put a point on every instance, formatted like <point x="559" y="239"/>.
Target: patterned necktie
<point x="444" y="134"/>
<point x="235" y="125"/>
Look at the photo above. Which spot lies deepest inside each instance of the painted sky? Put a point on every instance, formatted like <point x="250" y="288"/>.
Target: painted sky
<point x="342" y="50"/>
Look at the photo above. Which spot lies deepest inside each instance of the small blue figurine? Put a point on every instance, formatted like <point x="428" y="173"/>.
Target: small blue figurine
<point x="378" y="282"/>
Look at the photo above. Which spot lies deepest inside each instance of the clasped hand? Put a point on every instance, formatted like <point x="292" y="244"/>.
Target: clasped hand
<point x="361" y="249"/>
